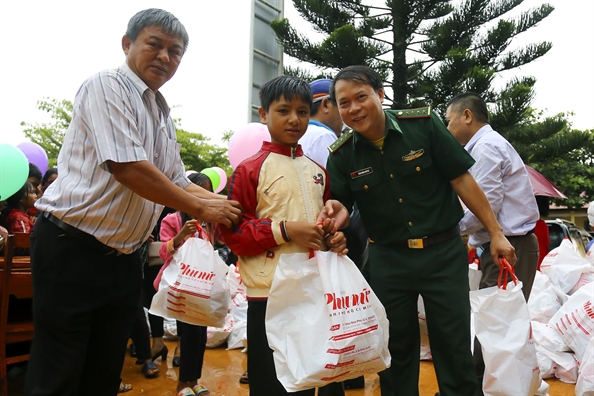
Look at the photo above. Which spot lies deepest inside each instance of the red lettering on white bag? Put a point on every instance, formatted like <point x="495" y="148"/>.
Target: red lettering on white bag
<point x="188" y="271"/>
<point x="335" y="327"/>
<point x="347" y="301"/>
<point x="577" y="323"/>
<point x="354" y="333"/>
<point x="588" y="308"/>
<point x="343" y="364"/>
<point x="343" y="350"/>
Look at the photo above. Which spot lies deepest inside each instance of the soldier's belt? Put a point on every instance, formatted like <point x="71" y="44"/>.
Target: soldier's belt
<point x="428" y="241"/>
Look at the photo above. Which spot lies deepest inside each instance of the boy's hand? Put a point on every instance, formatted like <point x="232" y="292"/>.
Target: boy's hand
<point x="337" y="243"/>
<point x="336" y="211"/>
<point x="328" y="226"/>
<point x="304" y="234"/>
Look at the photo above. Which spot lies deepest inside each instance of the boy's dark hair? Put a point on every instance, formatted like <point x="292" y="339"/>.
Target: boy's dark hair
<point x="35" y="172"/>
<point x="473" y="102"/>
<point x="156" y="17"/>
<point x="286" y="86"/>
<point x="48" y="174"/>
<point x="359" y="74"/>
<point x="200" y="179"/>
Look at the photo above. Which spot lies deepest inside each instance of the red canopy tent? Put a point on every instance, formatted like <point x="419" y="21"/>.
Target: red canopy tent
<point x="542" y="186"/>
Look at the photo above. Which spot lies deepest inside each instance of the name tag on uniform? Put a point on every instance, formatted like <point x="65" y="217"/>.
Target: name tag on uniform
<point x="362" y="172"/>
<point x="413" y="155"/>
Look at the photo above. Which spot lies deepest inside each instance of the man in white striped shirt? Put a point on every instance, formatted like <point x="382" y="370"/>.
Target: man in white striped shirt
<point x="119" y="165"/>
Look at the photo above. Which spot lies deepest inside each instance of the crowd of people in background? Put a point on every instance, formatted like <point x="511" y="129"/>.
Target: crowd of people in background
<point x="375" y="183"/>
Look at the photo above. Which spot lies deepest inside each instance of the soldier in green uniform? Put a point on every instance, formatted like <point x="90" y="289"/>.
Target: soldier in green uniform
<point x="405" y="171"/>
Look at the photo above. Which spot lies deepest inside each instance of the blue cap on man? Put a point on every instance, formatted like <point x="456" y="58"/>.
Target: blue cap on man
<point x="320" y="89"/>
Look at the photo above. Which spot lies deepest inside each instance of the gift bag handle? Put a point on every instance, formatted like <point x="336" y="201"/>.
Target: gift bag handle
<point x="504" y="269"/>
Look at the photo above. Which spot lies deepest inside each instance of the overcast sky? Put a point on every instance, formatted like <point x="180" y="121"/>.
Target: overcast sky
<point x="52" y="46"/>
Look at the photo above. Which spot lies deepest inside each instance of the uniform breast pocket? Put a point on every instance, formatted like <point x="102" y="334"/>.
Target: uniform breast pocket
<point x="420" y="173"/>
<point x="366" y="188"/>
<point x="277" y="190"/>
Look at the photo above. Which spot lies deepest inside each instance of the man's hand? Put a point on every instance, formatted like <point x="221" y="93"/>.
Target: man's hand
<point x="337" y="243"/>
<point x="500" y="247"/>
<point x="336" y="211"/>
<point x="221" y="211"/>
<point x="304" y="234"/>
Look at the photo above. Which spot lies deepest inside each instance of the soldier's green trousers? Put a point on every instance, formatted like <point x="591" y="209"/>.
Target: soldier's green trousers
<point x="440" y="274"/>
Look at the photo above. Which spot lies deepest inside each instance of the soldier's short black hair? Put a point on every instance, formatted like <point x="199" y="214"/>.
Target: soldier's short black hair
<point x="360" y="74"/>
<point x="286" y="86"/>
<point x="473" y="102"/>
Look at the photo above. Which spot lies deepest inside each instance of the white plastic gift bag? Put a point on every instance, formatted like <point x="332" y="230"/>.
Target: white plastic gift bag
<point x="323" y="322"/>
<point x="502" y="325"/>
<point x="194" y="287"/>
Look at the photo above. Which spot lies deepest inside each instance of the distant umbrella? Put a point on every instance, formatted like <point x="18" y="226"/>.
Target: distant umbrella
<point x="542" y="186"/>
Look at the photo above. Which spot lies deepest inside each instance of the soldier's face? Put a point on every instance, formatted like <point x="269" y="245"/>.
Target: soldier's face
<point x="360" y="107"/>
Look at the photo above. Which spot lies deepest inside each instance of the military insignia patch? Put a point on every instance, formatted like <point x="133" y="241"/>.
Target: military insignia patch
<point x="421" y="112"/>
<point x="413" y="155"/>
<point x="340" y="141"/>
<point x="362" y="172"/>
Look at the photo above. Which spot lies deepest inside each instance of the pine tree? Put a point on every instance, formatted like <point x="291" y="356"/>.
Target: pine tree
<point x="427" y="51"/>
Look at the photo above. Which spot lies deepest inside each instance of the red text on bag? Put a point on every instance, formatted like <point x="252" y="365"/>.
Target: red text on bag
<point x="348" y="301"/>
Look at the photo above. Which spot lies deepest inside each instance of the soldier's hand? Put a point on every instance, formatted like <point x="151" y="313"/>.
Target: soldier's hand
<point x="500" y="247"/>
<point x="304" y="234"/>
<point x="334" y="210"/>
<point x="220" y="211"/>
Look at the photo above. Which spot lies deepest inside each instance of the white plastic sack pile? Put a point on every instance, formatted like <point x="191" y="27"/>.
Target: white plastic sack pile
<point x="545" y="299"/>
<point x="585" y="381"/>
<point x="323" y="322"/>
<point x="216" y="336"/>
<point x="566" y="268"/>
<point x="238" y="334"/>
<point x="194" y="287"/>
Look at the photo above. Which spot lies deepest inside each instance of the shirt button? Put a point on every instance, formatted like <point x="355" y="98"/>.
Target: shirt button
<point x="410" y="223"/>
<point x="382" y="151"/>
<point x="391" y="175"/>
<point x="418" y="169"/>
<point x="365" y="187"/>
<point x="156" y="155"/>
<point x="400" y="200"/>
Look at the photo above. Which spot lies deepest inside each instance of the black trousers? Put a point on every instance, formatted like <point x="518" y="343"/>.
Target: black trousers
<point x="192" y="345"/>
<point x="83" y="307"/>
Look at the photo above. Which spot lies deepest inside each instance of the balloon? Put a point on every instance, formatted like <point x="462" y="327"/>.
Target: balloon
<point x="14" y="170"/>
<point x="35" y="154"/>
<point x="213" y="175"/>
<point x="223" y="177"/>
<point x="246" y="142"/>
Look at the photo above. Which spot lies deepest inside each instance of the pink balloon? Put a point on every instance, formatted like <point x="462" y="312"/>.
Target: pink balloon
<point x="246" y="142"/>
<point x="35" y="154"/>
<point x="223" y="177"/>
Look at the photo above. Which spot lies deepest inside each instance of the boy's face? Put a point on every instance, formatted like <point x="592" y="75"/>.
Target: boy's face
<point x="286" y="120"/>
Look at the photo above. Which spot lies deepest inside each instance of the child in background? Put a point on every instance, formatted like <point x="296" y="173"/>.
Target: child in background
<point x="14" y="215"/>
<point x="176" y="228"/>
<point x="282" y="192"/>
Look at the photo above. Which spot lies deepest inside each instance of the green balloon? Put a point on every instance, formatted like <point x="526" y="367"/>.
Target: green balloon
<point x="14" y="170"/>
<point x="214" y="177"/>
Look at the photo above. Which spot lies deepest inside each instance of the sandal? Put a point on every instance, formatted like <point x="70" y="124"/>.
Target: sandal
<point x="186" y="392"/>
<point x="124" y="387"/>
<point x="199" y="389"/>
<point x="244" y="378"/>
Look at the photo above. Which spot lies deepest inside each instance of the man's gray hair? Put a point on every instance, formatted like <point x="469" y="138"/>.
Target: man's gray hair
<point x="157" y="17"/>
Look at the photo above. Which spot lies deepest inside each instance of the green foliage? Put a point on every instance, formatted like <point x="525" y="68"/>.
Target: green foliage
<point x="197" y="153"/>
<point x="50" y="135"/>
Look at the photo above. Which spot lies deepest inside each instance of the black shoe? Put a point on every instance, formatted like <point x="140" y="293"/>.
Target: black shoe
<point x="132" y="350"/>
<point x="176" y="361"/>
<point x="355" y="383"/>
<point x="162" y="353"/>
<point x="150" y="370"/>
<point x="244" y="378"/>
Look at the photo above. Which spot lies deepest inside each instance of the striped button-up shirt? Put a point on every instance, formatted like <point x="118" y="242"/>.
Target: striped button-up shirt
<point x="116" y="117"/>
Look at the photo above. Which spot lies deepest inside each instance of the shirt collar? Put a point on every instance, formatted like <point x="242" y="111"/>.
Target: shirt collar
<point x="391" y="125"/>
<point x="484" y="130"/>
<point x="142" y="88"/>
<point x="318" y="123"/>
<point x="283" y="150"/>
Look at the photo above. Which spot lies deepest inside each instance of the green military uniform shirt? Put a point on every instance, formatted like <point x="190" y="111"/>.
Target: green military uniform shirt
<point x="402" y="190"/>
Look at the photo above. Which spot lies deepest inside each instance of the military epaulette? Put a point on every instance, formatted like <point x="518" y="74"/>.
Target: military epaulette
<point x="340" y="141"/>
<point x="421" y="112"/>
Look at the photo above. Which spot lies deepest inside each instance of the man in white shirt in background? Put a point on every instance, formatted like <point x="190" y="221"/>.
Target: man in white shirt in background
<point x="325" y="124"/>
<point x="501" y="174"/>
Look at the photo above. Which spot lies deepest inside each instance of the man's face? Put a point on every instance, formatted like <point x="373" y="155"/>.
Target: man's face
<point x="286" y="120"/>
<point x="154" y="56"/>
<point x="360" y="107"/>
<point x="457" y="125"/>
